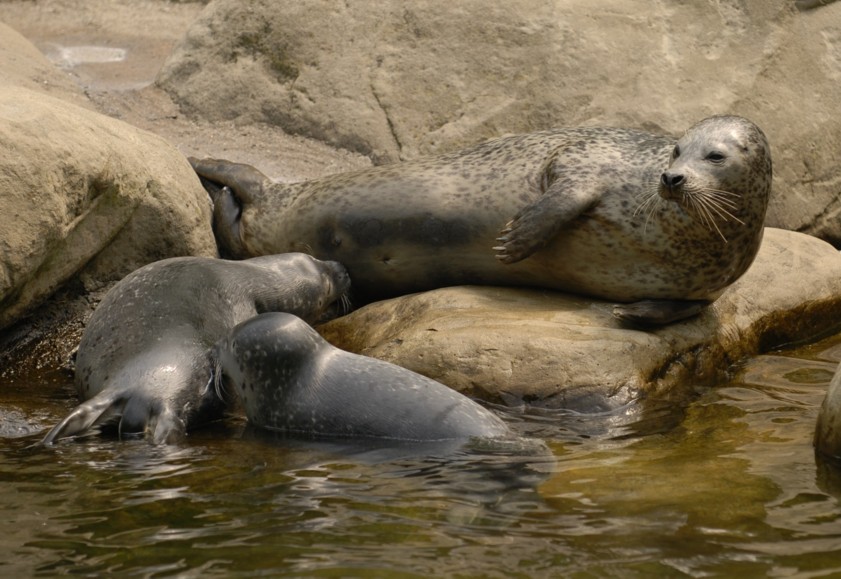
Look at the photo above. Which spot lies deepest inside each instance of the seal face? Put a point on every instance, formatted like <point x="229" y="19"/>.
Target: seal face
<point x="615" y="214"/>
<point x="144" y="358"/>
<point x="288" y="378"/>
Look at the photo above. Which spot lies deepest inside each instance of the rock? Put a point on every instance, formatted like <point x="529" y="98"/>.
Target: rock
<point x="555" y="350"/>
<point x="395" y="81"/>
<point x="24" y="66"/>
<point x="83" y="194"/>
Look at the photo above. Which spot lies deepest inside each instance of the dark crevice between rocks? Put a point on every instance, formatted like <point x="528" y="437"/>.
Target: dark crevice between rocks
<point x="46" y="339"/>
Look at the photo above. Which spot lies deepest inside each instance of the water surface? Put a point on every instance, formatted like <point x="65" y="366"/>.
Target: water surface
<point x="722" y="483"/>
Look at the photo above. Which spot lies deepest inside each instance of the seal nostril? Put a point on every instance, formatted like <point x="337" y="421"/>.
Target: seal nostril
<point x="671" y="180"/>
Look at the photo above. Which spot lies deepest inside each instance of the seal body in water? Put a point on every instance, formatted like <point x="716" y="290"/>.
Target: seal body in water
<point x="828" y="429"/>
<point x="289" y="379"/>
<point x="609" y="213"/>
<point x="144" y="357"/>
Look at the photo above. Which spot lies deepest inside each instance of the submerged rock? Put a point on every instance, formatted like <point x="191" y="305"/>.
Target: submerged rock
<point x="557" y="350"/>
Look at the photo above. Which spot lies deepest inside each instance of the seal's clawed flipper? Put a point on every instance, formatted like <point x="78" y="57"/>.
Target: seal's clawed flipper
<point x="658" y="312"/>
<point x="99" y="409"/>
<point x="537" y="223"/>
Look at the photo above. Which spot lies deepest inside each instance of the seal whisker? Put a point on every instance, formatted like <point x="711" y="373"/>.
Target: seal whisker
<point x="719" y="206"/>
<point x="703" y="212"/>
<point x="345" y="304"/>
<point x="217" y="379"/>
<point x="653" y="209"/>
<point x="718" y="197"/>
<point x="723" y="192"/>
<point x="648" y="206"/>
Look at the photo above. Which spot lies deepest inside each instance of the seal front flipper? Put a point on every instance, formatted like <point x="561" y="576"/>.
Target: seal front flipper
<point x="537" y="223"/>
<point x="658" y="312"/>
<point x="101" y="408"/>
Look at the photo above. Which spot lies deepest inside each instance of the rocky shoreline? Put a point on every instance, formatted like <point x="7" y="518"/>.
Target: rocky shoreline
<point x="94" y="180"/>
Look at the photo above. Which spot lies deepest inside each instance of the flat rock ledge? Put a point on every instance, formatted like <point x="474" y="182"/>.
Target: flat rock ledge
<point x="515" y="346"/>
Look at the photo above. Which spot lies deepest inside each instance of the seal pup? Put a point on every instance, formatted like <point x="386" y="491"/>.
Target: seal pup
<point x="144" y="356"/>
<point x="289" y="379"/>
<point x="615" y="214"/>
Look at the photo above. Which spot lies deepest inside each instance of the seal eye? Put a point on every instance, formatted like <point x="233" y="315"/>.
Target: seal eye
<point x="676" y="152"/>
<point x="715" y="157"/>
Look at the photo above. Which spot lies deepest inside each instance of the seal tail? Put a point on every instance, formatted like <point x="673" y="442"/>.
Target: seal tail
<point x="101" y="408"/>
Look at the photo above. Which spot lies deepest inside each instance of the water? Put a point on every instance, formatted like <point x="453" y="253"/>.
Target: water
<point x="724" y="483"/>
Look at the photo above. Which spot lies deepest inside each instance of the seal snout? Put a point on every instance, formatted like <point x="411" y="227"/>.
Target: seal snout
<point x="671" y="184"/>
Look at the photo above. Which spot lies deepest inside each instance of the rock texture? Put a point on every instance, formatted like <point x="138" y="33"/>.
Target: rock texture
<point x="83" y="192"/>
<point x="24" y="66"/>
<point x="395" y="80"/>
<point x="507" y="345"/>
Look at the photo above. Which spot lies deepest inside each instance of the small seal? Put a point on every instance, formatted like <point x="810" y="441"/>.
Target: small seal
<point x="289" y="379"/>
<point x="616" y="214"/>
<point x="827" y="439"/>
<point x="144" y="358"/>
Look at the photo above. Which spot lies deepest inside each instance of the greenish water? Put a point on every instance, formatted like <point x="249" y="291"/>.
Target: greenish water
<point x="723" y="485"/>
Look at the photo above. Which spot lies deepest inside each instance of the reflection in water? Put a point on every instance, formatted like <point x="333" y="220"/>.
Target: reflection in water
<point x="723" y="483"/>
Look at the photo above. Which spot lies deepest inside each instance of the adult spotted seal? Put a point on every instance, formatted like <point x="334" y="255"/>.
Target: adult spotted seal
<point x="144" y="357"/>
<point x="289" y="379"/>
<point x="610" y="213"/>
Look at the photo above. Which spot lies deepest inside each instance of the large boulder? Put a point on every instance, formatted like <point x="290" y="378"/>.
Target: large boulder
<point x="84" y="194"/>
<point x="556" y="350"/>
<point x="395" y="80"/>
<point x="23" y="65"/>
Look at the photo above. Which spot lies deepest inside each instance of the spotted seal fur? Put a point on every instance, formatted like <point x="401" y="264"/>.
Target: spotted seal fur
<point x="144" y="358"/>
<point x="660" y="225"/>
<point x="289" y="379"/>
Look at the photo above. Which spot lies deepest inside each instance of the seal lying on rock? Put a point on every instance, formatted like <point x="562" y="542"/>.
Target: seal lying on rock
<point x="144" y="357"/>
<point x="289" y="379"/>
<point x="615" y="214"/>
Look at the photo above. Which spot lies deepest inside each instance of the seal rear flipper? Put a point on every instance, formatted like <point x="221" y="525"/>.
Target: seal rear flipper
<point x="245" y="181"/>
<point x="538" y="223"/>
<point x="101" y="408"/>
<point x="231" y="186"/>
